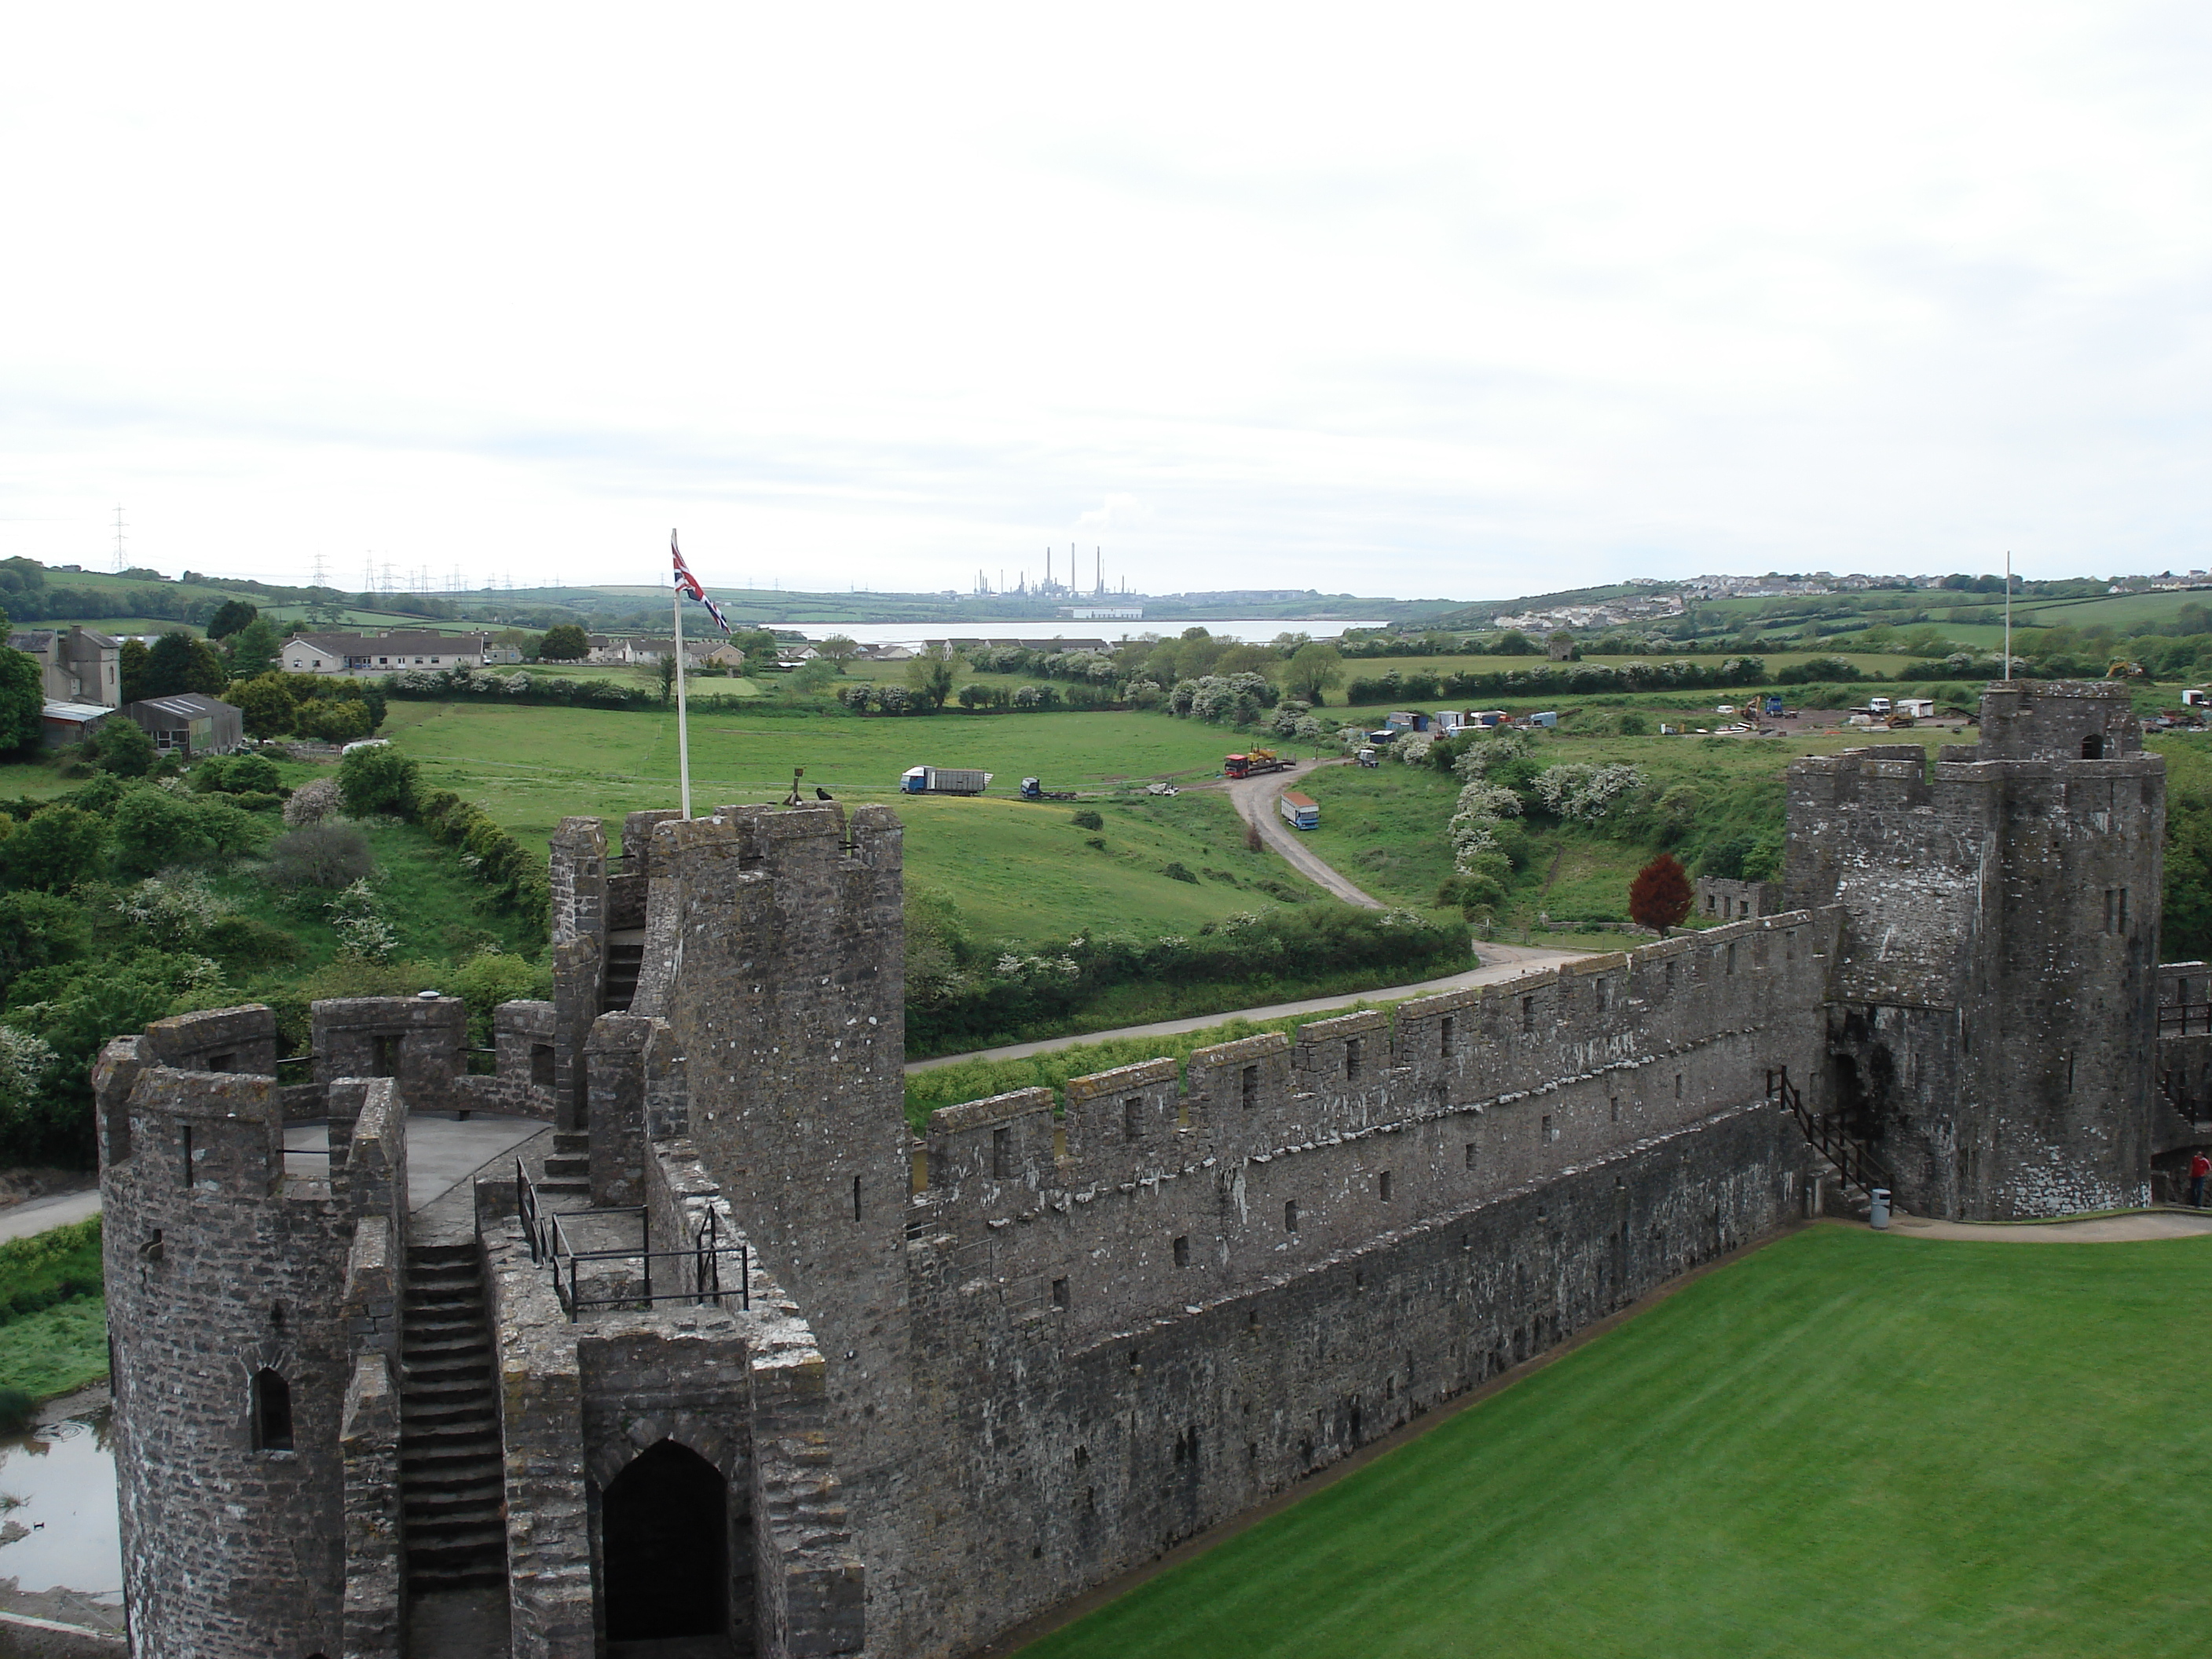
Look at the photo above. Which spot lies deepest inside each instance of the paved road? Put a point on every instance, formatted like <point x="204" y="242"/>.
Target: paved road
<point x="36" y="1215"/>
<point x="1500" y="963"/>
<point x="1254" y="801"/>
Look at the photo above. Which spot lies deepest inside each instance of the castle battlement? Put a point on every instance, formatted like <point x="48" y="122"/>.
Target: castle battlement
<point x="908" y="1392"/>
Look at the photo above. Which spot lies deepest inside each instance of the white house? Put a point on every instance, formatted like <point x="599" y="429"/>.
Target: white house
<point x="382" y="653"/>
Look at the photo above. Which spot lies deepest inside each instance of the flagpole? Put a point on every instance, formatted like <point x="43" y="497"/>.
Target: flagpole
<point x="683" y="710"/>
<point x="2008" y="661"/>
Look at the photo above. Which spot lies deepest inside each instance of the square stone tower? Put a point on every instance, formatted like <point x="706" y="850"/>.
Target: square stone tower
<point x="1994" y="1022"/>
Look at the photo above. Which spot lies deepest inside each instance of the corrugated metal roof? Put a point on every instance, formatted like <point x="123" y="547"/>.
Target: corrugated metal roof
<point x="190" y="704"/>
<point x="75" y="711"/>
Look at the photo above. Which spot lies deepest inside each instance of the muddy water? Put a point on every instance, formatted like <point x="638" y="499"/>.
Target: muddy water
<point x="63" y="1534"/>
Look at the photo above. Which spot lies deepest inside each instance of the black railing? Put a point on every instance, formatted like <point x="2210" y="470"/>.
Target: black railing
<point x="551" y="1247"/>
<point x="1851" y="1156"/>
<point x="2185" y="1019"/>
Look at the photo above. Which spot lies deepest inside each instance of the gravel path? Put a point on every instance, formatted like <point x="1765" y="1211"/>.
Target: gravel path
<point x="2094" y="1230"/>
<point x="1254" y="801"/>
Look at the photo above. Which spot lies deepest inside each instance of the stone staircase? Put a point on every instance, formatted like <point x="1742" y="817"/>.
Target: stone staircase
<point x="625" y="961"/>
<point x="451" y="1479"/>
<point x="567" y="1167"/>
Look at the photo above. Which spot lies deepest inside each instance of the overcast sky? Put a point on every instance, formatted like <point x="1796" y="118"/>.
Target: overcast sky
<point x="1464" y="300"/>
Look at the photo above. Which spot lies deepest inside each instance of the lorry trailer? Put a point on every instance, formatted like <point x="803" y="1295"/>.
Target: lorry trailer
<point x="943" y="780"/>
<point x="1300" y="811"/>
<point x="1252" y="765"/>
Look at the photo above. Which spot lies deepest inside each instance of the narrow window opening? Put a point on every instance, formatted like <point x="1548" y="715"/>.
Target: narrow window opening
<point x="1549" y="1137"/>
<point x="384" y="1056"/>
<point x="541" y="1065"/>
<point x="1678" y="1086"/>
<point x="1290" y="1215"/>
<point x="2124" y="909"/>
<point x="2093" y="747"/>
<point x="1528" y="1013"/>
<point x="1132" y="1119"/>
<point x="1002" y="1153"/>
<point x="1060" y="1293"/>
<point x="1670" y="976"/>
<point x="1352" y="1046"/>
<point x="2069" y="1074"/>
<point x="1383" y="1186"/>
<point x="856" y="1198"/>
<point x="1614" y="1106"/>
<point x="184" y="1141"/>
<point x="222" y="1062"/>
<point x="1182" y="1250"/>
<point x="1470" y="1155"/>
<point x="1250" y="1085"/>
<point x="918" y="1180"/>
<point x="273" y="1412"/>
<point x="1731" y="960"/>
<point x="1604" y="994"/>
<point x="1444" y="1034"/>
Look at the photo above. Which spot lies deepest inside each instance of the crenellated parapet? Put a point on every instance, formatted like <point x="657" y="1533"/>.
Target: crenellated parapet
<point x="1156" y="1186"/>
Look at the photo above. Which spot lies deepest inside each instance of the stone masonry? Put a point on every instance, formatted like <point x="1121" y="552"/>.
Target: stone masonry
<point x="776" y="1375"/>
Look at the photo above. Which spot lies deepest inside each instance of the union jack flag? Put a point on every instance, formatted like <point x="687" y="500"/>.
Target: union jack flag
<point x="687" y="584"/>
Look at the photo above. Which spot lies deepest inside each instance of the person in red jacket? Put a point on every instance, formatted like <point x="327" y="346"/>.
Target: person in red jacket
<point x="2199" y="1167"/>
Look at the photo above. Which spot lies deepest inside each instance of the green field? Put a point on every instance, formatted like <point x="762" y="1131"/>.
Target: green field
<point x="1016" y="869"/>
<point x="1847" y="1444"/>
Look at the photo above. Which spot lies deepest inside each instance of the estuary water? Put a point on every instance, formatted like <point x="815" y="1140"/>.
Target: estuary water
<point x="1166" y="627"/>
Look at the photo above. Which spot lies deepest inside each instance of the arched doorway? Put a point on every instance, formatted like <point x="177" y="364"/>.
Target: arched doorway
<point x="665" y="1520"/>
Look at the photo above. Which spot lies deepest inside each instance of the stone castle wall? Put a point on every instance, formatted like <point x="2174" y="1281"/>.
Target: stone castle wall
<point x="220" y="1273"/>
<point x="1993" y="1023"/>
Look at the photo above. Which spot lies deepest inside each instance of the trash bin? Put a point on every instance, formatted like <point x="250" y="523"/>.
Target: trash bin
<point x="1878" y="1211"/>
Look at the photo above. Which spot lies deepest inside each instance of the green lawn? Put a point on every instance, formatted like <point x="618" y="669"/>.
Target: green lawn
<point x="1016" y="869"/>
<point x="56" y="1351"/>
<point x="1846" y="1444"/>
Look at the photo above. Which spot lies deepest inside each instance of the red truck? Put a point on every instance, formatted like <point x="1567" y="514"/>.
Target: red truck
<point x="1252" y="765"/>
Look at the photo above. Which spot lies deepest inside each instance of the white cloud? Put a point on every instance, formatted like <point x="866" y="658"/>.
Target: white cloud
<point x="1403" y="299"/>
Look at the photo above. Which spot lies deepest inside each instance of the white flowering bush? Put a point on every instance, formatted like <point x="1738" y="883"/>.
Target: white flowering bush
<point x="27" y="1063"/>
<point x="1478" y="760"/>
<point x="172" y="911"/>
<point x="357" y="916"/>
<point x="1413" y="751"/>
<point x="1474" y="827"/>
<point x="1584" y="794"/>
<point x="311" y="803"/>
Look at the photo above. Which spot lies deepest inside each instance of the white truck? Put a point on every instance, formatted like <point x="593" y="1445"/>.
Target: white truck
<point x="943" y="780"/>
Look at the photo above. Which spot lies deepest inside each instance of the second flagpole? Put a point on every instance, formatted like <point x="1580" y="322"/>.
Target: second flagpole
<point x="683" y="713"/>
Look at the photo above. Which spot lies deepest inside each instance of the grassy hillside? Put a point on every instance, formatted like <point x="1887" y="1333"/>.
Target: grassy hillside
<point x="1847" y="1444"/>
<point x="1016" y="869"/>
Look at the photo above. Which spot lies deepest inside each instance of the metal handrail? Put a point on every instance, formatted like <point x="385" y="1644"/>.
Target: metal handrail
<point x="551" y="1247"/>
<point x="1828" y="1136"/>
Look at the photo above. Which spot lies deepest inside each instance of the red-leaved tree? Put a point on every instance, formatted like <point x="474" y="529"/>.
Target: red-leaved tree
<point x="1659" y="897"/>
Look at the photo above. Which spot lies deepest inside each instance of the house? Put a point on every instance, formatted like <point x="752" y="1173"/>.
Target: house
<point x="726" y="655"/>
<point x="78" y="667"/>
<point x="188" y="721"/>
<point x="382" y="653"/>
<point x="500" y="654"/>
<point x="888" y="652"/>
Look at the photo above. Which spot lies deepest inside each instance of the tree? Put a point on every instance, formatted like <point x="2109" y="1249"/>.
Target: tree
<point x="1312" y="670"/>
<point x="179" y="662"/>
<point x="931" y="673"/>
<point x="328" y="719"/>
<point x="230" y="619"/>
<point x="134" y="659"/>
<point x="664" y="676"/>
<point x="124" y="748"/>
<point x="254" y="649"/>
<point x="837" y="650"/>
<point x="1659" y="897"/>
<point x="266" y="704"/>
<point x="57" y="848"/>
<point x="23" y="694"/>
<point x="378" y="779"/>
<point x="565" y="643"/>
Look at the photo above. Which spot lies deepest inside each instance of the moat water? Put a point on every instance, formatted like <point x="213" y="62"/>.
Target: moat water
<point x="62" y="1532"/>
